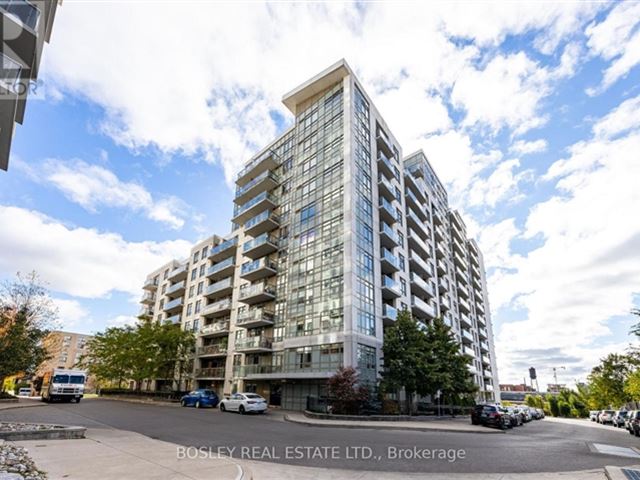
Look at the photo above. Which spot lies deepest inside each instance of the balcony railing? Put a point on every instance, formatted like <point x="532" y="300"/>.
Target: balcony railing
<point x="469" y="351"/>
<point x="258" y="264"/>
<point x="253" y="164"/>
<point x="390" y="233"/>
<point x="221" y="266"/>
<point x="422" y="285"/>
<point x="389" y="312"/>
<point x="220" y="286"/>
<point x="214" y="372"/>
<point x="261" y="217"/>
<point x="422" y="307"/>
<point x="26" y="12"/>
<point x="215" y="349"/>
<point x="216" y="327"/>
<point x="390" y="258"/>
<point x="245" y="207"/>
<point x="178" y="272"/>
<point x="254" y="343"/>
<point x="173" y="304"/>
<point x="219" y="306"/>
<point x="227" y="244"/>
<point x="257" y="289"/>
<point x="174" y="319"/>
<point x="245" y="370"/>
<point x="264" y="240"/>
<point x="255" y="316"/>
<point x="175" y="288"/>
<point x="267" y="174"/>
<point x="388" y="208"/>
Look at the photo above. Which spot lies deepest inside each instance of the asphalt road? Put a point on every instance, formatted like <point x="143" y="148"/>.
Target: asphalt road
<point x="540" y="446"/>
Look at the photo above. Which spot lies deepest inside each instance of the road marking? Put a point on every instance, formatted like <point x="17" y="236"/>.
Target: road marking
<point x="614" y="450"/>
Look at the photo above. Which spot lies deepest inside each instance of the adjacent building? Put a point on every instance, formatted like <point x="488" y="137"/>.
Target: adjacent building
<point x="65" y="349"/>
<point x="25" y="26"/>
<point x="334" y="232"/>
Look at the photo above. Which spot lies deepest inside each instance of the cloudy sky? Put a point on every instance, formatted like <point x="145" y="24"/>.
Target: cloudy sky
<point x="530" y="114"/>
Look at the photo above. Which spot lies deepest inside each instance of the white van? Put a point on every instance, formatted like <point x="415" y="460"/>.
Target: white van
<point x="24" y="392"/>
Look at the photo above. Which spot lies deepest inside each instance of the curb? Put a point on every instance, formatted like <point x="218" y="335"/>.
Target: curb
<point x="29" y="405"/>
<point x="616" y="473"/>
<point x="135" y="400"/>
<point x="391" y="427"/>
<point x="56" y="433"/>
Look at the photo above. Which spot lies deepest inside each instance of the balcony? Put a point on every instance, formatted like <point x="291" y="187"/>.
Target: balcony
<point x="418" y="191"/>
<point x="256" y="344"/>
<point x="262" y="201"/>
<point x="386" y="188"/>
<point x="482" y="332"/>
<point x="419" y="265"/>
<point x="255" y="317"/>
<point x="476" y="281"/>
<point x="261" y="223"/>
<point x="215" y="329"/>
<point x="420" y="308"/>
<point x="460" y="261"/>
<point x="457" y="233"/>
<point x="217" y="309"/>
<point x="150" y="284"/>
<point x="264" y="182"/>
<point x="461" y="274"/>
<point x="173" y="305"/>
<point x="441" y="266"/>
<point x="148" y="298"/>
<point x="456" y="220"/>
<point x="179" y="273"/>
<point x="443" y="285"/>
<point x="465" y="321"/>
<point x="389" y="314"/>
<point x="223" y="250"/>
<point x="418" y="244"/>
<point x="174" y="319"/>
<point x="388" y="236"/>
<point x="488" y="388"/>
<point x="390" y="288"/>
<point x="413" y="202"/>
<point x="267" y="160"/>
<point x="441" y="250"/>
<point x="414" y="221"/>
<point x="258" y="269"/>
<point x="482" y="322"/>
<point x="221" y="269"/>
<point x="22" y="11"/>
<point x="388" y="212"/>
<point x="477" y="294"/>
<point x="260" y="246"/>
<point x="384" y="143"/>
<point x="484" y="346"/>
<point x="421" y="286"/>
<point x="249" y="371"/>
<point x="214" y="373"/>
<point x="439" y="232"/>
<point x="258" y="293"/>
<point x="485" y="360"/>
<point x="388" y="261"/>
<point x="486" y="372"/>
<point x="466" y="336"/>
<point x="462" y="291"/>
<point x="146" y="311"/>
<point x="457" y="247"/>
<point x="480" y="307"/>
<point x="219" y="288"/>
<point x="438" y="218"/>
<point x="176" y="289"/>
<point x="473" y="370"/>
<point x="214" y="350"/>
<point x="469" y="351"/>
<point x="445" y="303"/>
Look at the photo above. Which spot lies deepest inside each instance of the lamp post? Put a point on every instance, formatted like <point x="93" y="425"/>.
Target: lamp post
<point x="555" y="374"/>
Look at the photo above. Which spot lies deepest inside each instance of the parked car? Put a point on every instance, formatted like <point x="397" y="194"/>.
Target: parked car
<point x="627" y="421"/>
<point x="516" y="418"/>
<point x="606" y="416"/>
<point x="541" y="412"/>
<point x="527" y="417"/>
<point x="490" y="416"/>
<point x="520" y="413"/>
<point x="24" y="392"/>
<point x="593" y="415"/>
<point x="244" y="403"/>
<point x="201" y="397"/>
<point x="634" y="423"/>
<point x="618" y="418"/>
<point x="535" y="413"/>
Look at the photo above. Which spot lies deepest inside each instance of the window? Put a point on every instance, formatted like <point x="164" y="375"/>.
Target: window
<point x="189" y="309"/>
<point x="307" y="237"/>
<point x="403" y="286"/>
<point x="401" y="257"/>
<point x="196" y="257"/>
<point x="197" y="309"/>
<point x="191" y="290"/>
<point x="308" y="188"/>
<point x="200" y="287"/>
<point x="166" y="274"/>
<point x="202" y="269"/>
<point x="307" y="213"/>
<point x="205" y="250"/>
<point x="164" y="288"/>
<point x="194" y="272"/>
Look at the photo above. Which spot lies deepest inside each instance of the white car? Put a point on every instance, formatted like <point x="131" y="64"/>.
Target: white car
<point x="244" y="403"/>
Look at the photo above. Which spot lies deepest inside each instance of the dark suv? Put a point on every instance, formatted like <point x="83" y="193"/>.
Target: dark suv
<point x="490" y="416"/>
<point x="634" y="423"/>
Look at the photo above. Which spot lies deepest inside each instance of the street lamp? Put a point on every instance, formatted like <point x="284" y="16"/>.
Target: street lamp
<point x="555" y="374"/>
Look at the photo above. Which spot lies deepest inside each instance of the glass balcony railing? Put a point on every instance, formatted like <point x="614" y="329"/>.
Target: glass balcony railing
<point x="253" y="315"/>
<point x="175" y="319"/>
<point x="269" y="154"/>
<point x="214" y="349"/>
<point x="219" y="306"/>
<point x="240" y="191"/>
<point x="388" y="207"/>
<point x="219" y="286"/>
<point x="175" y="288"/>
<point x="258" y="289"/>
<point x="423" y="306"/>
<point x="260" y="240"/>
<point x="26" y="12"/>
<point x="389" y="312"/>
<point x="9" y="73"/>
<point x="257" y="264"/>
<point x="227" y="244"/>
<point x="221" y="265"/>
<point x="179" y="271"/>
<point x="254" y="343"/>
<point x="389" y="232"/>
<point x="216" y="327"/>
<point x="390" y="258"/>
<point x="173" y="304"/>
<point x="261" y="217"/>
<point x="253" y="202"/>
<point x="213" y="372"/>
<point x="388" y="282"/>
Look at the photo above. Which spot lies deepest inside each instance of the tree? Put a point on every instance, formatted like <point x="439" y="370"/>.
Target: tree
<point x="26" y="313"/>
<point x="553" y="405"/>
<point x="607" y="381"/>
<point x="345" y="392"/>
<point x="406" y="359"/>
<point x="449" y="367"/>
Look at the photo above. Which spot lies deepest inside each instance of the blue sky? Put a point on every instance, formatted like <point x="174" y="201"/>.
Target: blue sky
<point x="530" y="114"/>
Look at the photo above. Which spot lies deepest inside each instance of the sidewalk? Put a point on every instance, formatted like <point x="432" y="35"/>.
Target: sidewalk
<point x="107" y="454"/>
<point x="444" y="425"/>
<point x="583" y="422"/>
<point x="22" y="403"/>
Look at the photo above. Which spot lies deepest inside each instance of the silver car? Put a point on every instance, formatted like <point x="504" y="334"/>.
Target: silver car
<point x="244" y="403"/>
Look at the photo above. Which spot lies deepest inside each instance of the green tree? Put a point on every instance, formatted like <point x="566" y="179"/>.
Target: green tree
<point x="553" y="405"/>
<point x="174" y="348"/>
<point x="345" y="392"/>
<point x="406" y="359"/>
<point x="26" y="313"/>
<point x="607" y="381"/>
<point x="448" y="366"/>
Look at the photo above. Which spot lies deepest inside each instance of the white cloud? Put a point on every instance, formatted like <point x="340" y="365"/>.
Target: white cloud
<point x="122" y="321"/>
<point x="623" y="118"/>
<point x="79" y="261"/>
<point x="71" y="314"/>
<point x="522" y="147"/>
<point x="588" y="267"/>
<point x="502" y="185"/>
<point x="165" y="94"/>
<point x="616" y="38"/>
<point x="93" y="186"/>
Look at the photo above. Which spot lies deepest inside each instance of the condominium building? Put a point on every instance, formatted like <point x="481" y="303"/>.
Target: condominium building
<point x="65" y="349"/>
<point x="26" y="25"/>
<point x="333" y="233"/>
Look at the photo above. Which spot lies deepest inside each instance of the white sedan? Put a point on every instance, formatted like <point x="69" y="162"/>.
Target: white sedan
<point x="244" y="403"/>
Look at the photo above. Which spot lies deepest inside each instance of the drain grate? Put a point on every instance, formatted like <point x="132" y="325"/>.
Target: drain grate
<point x="627" y="452"/>
<point x="631" y="474"/>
